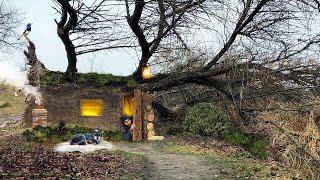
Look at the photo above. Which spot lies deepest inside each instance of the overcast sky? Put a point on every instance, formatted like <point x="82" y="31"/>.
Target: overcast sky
<point x="50" y="49"/>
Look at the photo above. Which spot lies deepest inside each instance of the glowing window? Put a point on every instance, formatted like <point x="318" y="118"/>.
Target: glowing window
<point x="146" y="72"/>
<point x="91" y="107"/>
<point x="128" y="105"/>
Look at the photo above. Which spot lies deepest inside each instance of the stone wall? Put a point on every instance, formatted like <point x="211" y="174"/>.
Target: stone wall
<point x="63" y="105"/>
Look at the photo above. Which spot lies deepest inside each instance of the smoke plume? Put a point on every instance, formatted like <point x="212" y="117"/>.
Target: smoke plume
<point x="12" y="75"/>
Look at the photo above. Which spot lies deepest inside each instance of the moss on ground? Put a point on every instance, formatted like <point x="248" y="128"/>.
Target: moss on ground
<point x="52" y="78"/>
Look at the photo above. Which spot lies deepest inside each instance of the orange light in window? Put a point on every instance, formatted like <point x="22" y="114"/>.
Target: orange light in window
<point x="128" y="105"/>
<point x="91" y="108"/>
<point x="146" y="72"/>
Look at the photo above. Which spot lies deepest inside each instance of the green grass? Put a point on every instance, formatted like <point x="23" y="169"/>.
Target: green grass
<point x="171" y="147"/>
<point x="235" y="166"/>
<point x="4" y="104"/>
<point x="61" y="133"/>
<point x="10" y="104"/>
<point x="256" y="145"/>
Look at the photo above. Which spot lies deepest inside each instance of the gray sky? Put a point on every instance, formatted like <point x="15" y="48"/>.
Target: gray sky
<point x="50" y="49"/>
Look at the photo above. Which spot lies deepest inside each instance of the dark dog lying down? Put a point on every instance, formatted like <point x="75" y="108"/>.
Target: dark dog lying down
<point x="87" y="138"/>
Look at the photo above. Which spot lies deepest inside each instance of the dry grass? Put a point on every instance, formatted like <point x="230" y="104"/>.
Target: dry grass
<point x="295" y="138"/>
<point x="15" y="104"/>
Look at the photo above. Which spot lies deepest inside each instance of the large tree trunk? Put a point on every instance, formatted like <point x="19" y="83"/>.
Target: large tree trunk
<point x="64" y="26"/>
<point x="71" y="54"/>
<point x="133" y="22"/>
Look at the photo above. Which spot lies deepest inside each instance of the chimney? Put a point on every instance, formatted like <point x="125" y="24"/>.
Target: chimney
<point x="39" y="116"/>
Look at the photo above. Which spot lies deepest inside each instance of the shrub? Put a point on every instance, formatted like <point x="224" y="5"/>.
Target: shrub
<point x="257" y="146"/>
<point x="238" y="138"/>
<point x="206" y="119"/>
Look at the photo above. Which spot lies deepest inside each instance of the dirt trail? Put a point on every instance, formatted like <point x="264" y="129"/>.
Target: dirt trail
<point x="171" y="166"/>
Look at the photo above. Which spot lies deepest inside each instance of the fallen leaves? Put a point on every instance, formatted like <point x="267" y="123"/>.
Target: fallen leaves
<point x="40" y="161"/>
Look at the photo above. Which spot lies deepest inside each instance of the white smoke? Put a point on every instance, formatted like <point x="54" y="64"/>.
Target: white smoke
<point x="12" y="75"/>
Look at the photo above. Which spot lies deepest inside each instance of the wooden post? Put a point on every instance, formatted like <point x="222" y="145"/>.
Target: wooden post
<point x="137" y="117"/>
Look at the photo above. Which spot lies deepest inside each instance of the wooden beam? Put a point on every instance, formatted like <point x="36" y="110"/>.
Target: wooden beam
<point x="137" y="117"/>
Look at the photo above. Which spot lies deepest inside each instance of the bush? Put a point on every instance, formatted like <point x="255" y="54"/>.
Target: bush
<point x="206" y="119"/>
<point x="238" y="138"/>
<point x="255" y="145"/>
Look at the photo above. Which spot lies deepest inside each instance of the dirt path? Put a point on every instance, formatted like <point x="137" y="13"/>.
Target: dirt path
<point x="169" y="165"/>
<point x="10" y="120"/>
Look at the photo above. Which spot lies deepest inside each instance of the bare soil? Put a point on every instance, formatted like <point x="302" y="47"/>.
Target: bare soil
<point x="171" y="166"/>
<point x="180" y="159"/>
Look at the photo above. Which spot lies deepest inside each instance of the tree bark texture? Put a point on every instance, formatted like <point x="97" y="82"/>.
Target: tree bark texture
<point x="67" y="22"/>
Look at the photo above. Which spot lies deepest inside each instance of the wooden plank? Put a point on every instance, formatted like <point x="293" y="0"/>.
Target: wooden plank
<point x="144" y="122"/>
<point x="137" y="117"/>
<point x="148" y="99"/>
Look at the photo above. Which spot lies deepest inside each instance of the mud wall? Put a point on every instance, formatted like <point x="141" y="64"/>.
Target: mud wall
<point x="63" y="105"/>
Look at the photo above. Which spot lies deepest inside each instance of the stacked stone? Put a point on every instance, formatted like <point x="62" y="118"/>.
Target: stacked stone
<point x="39" y="117"/>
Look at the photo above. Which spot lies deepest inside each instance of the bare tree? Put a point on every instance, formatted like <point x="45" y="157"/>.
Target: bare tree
<point x="100" y="27"/>
<point x="9" y="22"/>
<point x="152" y="22"/>
<point x="260" y="40"/>
<point x="147" y="28"/>
<point x="68" y="21"/>
<point x="253" y="35"/>
<point x="85" y="28"/>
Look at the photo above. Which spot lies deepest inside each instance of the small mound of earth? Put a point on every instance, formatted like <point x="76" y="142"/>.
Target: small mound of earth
<point x="66" y="147"/>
